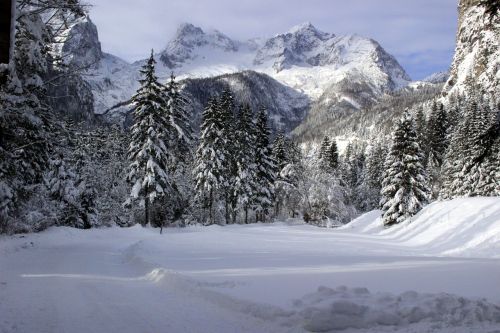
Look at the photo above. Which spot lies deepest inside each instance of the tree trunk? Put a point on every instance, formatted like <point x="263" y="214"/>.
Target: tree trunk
<point x="146" y="211"/>
<point x="228" y="218"/>
<point x="6" y="20"/>
<point x="246" y="215"/>
<point x="210" y="207"/>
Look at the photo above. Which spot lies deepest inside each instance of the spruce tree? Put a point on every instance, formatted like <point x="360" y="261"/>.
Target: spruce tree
<point x="437" y="134"/>
<point x="323" y="151"/>
<point x="421" y="127"/>
<point x="280" y="151"/>
<point x="226" y="114"/>
<point x="372" y="175"/>
<point x="266" y="167"/>
<point x="245" y="184"/>
<point x="180" y="146"/>
<point x="182" y="131"/>
<point x="210" y="168"/>
<point x="437" y="143"/>
<point x="329" y="156"/>
<point x="470" y="148"/>
<point x="148" y="152"/>
<point x="333" y="155"/>
<point x="404" y="187"/>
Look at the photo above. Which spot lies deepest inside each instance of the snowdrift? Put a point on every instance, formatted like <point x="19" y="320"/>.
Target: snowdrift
<point x="464" y="226"/>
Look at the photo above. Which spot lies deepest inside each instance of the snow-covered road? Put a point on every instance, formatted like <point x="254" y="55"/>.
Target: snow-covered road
<point x="281" y="277"/>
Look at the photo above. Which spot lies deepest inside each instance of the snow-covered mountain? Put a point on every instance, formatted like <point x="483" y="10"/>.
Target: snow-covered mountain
<point x="439" y="77"/>
<point x="477" y="53"/>
<point x="350" y="69"/>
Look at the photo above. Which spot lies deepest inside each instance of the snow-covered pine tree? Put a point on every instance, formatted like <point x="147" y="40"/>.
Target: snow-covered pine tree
<point x="437" y="129"/>
<point x="24" y="121"/>
<point x="148" y="152"/>
<point x="324" y="152"/>
<point x="328" y="155"/>
<point x="471" y="144"/>
<point x="180" y="146"/>
<point x="352" y="174"/>
<point x="323" y="197"/>
<point x="280" y="151"/>
<point x="333" y="155"/>
<point x="209" y="171"/>
<point x="290" y="172"/>
<point x="437" y="143"/>
<point x="372" y="175"/>
<point x="421" y="127"/>
<point x="226" y="114"/>
<point x="182" y="132"/>
<point x="404" y="187"/>
<point x="266" y="167"/>
<point x="245" y="185"/>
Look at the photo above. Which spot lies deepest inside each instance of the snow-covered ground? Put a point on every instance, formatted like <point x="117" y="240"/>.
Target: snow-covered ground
<point x="440" y="273"/>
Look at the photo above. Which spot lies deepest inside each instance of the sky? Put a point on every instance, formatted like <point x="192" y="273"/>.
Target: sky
<point x="419" y="33"/>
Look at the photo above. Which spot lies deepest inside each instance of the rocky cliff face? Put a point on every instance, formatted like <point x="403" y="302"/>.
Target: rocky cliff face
<point x="477" y="53"/>
<point x="286" y="107"/>
<point x="79" y="48"/>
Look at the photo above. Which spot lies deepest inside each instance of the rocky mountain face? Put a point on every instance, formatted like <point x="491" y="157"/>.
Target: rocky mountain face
<point x="190" y="39"/>
<point x="79" y="49"/>
<point x="330" y="74"/>
<point x="477" y="53"/>
<point x="286" y="107"/>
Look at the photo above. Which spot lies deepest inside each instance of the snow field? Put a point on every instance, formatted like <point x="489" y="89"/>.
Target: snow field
<point x="430" y="275"/>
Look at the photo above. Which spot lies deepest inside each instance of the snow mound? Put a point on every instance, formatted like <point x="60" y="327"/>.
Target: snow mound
<point x="464" y="226"/>
<point x="370" y="222"/>
<point x="343" y="308"/>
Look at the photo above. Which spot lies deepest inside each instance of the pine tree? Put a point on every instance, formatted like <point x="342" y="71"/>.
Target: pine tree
<point x="372" y="175"/>
<point x="228" y="134"/>
<point x="333" y="155"/>
<point x="245" y="185"/>
<point x="280" y="151"/>
<point x="323" y="151"/>
<point x="437" y="134"/>
<point x="182" y="131"/>
<point x="471" y="144"/>
<point x="289" y="174"/>
<point x="180" y="146"/>
<point x="404" y="187"/>
<point x="148" y="149"/>
<point x="437" y="142"/>
<point x="421" y="127"/>
<point x="328" y="156"/>
<point x="266" y="167"/>
<point x="210" y="168"/>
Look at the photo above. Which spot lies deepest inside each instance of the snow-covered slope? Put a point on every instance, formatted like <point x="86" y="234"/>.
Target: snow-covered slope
<point x="477" y="53"/>
<point x="439" y="77"/>
<point x="464" y="226"/>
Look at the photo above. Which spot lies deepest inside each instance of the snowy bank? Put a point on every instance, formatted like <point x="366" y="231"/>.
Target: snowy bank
<point x="460" y="227"/>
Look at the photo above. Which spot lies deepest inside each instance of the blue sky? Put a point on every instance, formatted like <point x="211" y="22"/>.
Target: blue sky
<point x="419" y="33"/>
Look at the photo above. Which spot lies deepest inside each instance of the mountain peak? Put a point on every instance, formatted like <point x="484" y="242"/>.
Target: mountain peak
<point x="301" y="27"/>
<point x="188" y="29"/>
